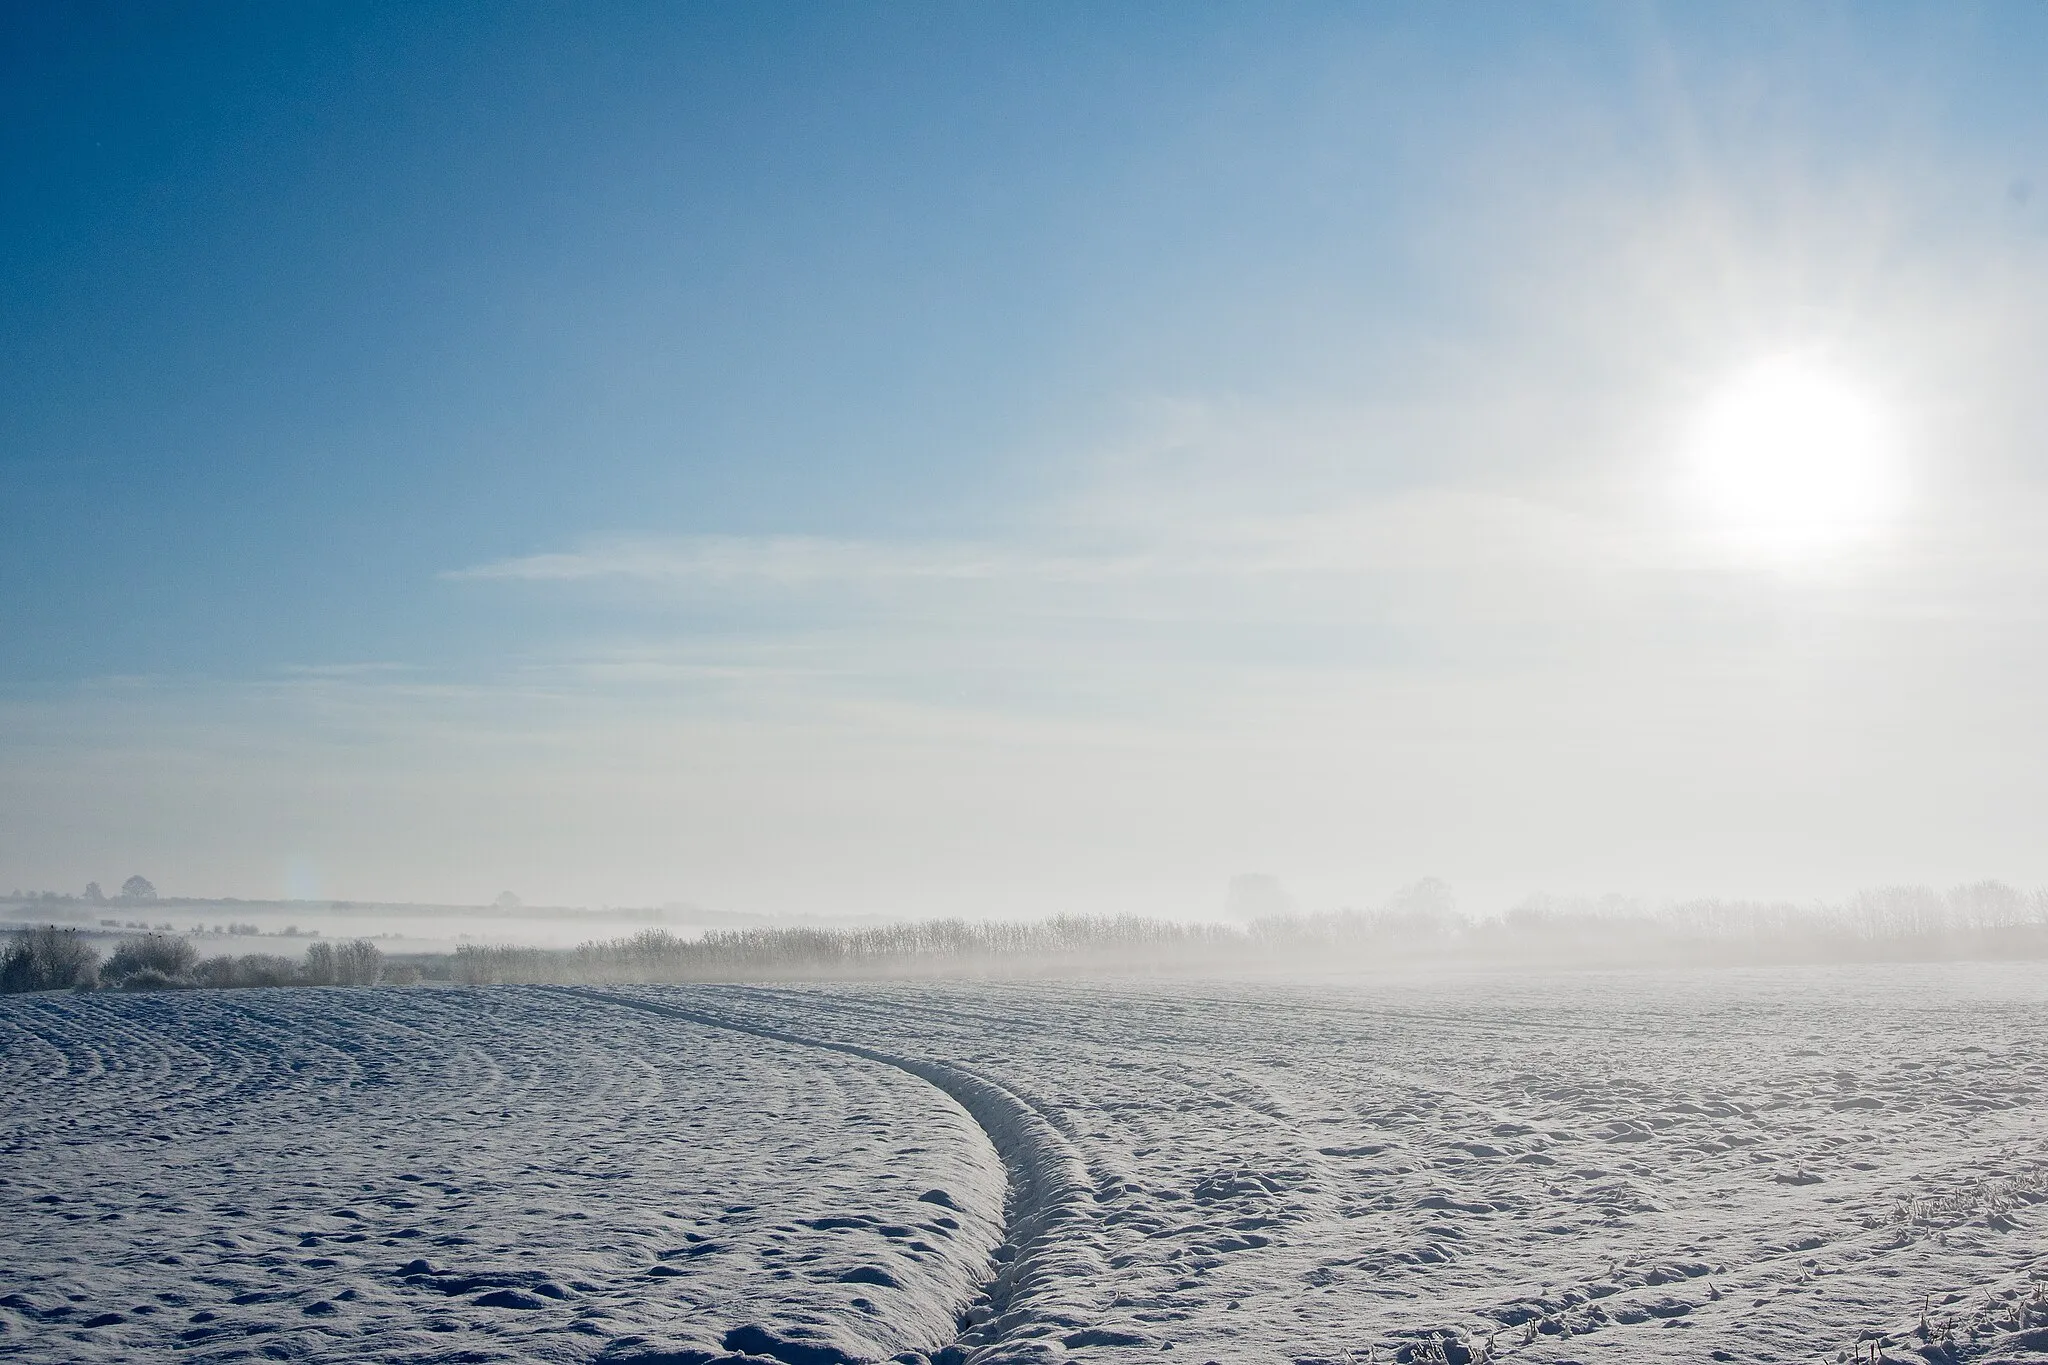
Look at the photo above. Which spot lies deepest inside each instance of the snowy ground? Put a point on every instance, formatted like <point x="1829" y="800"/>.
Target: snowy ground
<point x="1658" y="1166"/>
<point x="466" y="1176"/>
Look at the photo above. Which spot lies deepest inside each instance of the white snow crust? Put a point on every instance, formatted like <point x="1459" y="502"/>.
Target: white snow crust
<point x="1784" y="1165"/>
<point x="468" y="1175"/>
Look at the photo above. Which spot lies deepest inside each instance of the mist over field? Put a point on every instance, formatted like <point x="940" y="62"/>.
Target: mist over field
<point x="1041" y="685"/>
<point x="1421" y="927"/>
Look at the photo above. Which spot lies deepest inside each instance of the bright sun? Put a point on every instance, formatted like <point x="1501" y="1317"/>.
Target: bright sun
<point x="1791" y="459"/>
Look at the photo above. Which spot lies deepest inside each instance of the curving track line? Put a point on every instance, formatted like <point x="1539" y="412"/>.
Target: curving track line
<point x="1051" y="1260"/>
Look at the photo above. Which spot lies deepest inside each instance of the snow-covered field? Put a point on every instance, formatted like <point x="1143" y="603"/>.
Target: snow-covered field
<point x="1771" y="1165"/>
<point x="466" y="1176"/>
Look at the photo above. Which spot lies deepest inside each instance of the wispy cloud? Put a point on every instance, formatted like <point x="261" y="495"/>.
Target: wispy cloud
<point x="791" y="561"/>
<point x="363" y="669"/>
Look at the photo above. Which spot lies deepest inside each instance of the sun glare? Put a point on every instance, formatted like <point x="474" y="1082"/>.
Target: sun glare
<point x="1791" y="459"/>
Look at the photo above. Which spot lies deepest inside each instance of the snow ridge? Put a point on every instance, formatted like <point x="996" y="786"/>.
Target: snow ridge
<point x="1051" y="1264"/>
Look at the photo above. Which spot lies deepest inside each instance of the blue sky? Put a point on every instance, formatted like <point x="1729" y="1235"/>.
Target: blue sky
<point x="1006" y="457"/>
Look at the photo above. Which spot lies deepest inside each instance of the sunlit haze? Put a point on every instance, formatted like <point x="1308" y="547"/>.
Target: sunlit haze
<point x="1790" y="459"/>
<point x="1001" y="461"/>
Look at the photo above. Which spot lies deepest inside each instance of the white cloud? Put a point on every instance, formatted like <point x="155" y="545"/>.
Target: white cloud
<point x="785" y="561"/>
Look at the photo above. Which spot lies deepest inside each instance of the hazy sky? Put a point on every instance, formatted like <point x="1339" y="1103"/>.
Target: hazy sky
<point x="1022" y="458"/>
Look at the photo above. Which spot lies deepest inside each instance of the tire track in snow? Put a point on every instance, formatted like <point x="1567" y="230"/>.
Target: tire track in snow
<point x="1051" y="1266"/>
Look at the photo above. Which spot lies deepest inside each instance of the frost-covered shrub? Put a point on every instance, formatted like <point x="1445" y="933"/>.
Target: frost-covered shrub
<point x="355" y="963"/>
<point x="251" y="969"/>
<point x="402" y="974"/>
<point x="318" y="968"/>
<point x="265" y="969"/>
<point x="150" y="979"/>
<point x="166" y="955"/>
<point x="47" y="958"/>
<point x="358" y="962"/>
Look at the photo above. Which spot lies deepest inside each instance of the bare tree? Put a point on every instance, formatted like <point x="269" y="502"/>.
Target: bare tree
<point x="251" y="969"/>
<point x="358" y="962"/>
<point x="319" y="968"/>
<point x="138" y="888"/>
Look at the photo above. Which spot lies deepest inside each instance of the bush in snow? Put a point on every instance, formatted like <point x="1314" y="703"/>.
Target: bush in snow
<point x="318" y="968"/>
<point x="358" y="962"/>
<point x="47" y="958"/>
<point x="355" y="963"/>
<point x="165" y="956"/>
<point x="150" y="979"/>
<point x="251" y="969"/>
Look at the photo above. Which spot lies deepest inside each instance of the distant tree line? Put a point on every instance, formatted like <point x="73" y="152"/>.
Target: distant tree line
<point x="1419" y="927"/>
<point x="49" y="958"/>
<point x="136" y="888"/>
<point x="655" y="955"/>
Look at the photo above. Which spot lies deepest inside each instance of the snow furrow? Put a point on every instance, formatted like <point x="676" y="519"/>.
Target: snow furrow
<point x="1051" y="1268"/>
<point x="494" y="1174"/>
<point x="1768" y="1167"/>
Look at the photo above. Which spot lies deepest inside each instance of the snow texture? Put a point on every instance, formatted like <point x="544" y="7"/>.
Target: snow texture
<point x="1787" y="1165"/>
<point x="469" y="1175"/>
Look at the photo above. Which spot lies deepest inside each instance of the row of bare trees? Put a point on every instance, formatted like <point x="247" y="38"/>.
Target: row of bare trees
<point x="46" y="958"/>
<point x="1983" y="920"/>
<point x="655" y="955"/>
